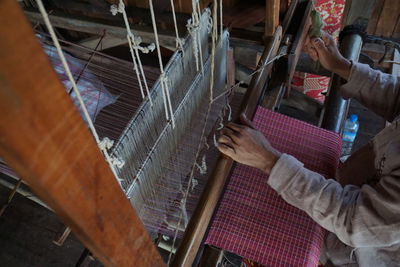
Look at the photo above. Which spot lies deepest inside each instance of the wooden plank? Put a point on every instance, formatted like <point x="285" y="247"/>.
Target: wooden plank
<point x="106" y="42"/>
<point x="287" y="19"/>
<point x="284" y="6"/>
<point x="44" y="139"/>
<point x="271" y="16"/>
<point x="181" y="6"/>
<point x="372" y="24"/>
<point x="81" y="24"/>
<point x="396" y="31"/>
<point x="244" y="15"/>
<point x="388" y="18"/>
<point x="230" y="75"/>
<point x="298" y="44"/>
<point x="358" y="12"/>
<point x="247" y="57"/>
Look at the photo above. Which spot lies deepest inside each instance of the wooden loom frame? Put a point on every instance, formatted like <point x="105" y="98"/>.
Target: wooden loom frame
<point x="103" y="219"/>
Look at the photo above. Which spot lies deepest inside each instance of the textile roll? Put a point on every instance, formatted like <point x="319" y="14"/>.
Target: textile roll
<point x="253" y="221"/>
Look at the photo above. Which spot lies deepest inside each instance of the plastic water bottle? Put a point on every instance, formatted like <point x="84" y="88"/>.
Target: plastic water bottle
<point x="349" y="134"/>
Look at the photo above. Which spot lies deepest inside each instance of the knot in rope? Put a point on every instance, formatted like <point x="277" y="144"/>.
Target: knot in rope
<point x="115" y="9"/>
<point x="117" y="162"/>
<point x="203" y="167"/>
<point x="106" y="143"/>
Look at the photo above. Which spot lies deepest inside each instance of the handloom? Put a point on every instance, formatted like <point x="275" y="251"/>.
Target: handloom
<point x="163" y="148"/>
<point x="163" y="165"/>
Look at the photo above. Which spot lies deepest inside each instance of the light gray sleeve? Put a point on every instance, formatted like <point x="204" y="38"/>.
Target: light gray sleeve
<point x="376" y="90"/>
<point x="360" y="217"/>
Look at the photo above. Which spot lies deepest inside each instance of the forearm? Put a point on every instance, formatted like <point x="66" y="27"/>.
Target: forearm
<point x="345" y="211"/>
<point x="309" y="191"/>
<point x="376" y="90"/>
<point x="343" y="68"/>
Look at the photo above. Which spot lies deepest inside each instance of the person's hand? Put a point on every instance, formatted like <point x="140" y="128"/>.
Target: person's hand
<point x="246" y="145"/>
<point x="325" y="50"/>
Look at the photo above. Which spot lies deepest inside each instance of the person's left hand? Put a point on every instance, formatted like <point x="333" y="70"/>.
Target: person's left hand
<point x="246" y="145"/>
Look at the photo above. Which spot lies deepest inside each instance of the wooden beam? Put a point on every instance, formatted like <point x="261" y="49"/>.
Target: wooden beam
<point x="44" y="139"/>
<point x="358" y="12"/>
<point x="287" y="19"/>
<point x="82" y="24"/>
<point x="298" y="42"/>
<point x="375" y="15"/>
<point x="388" y="18"/>
<point x="271" y="16"/>
<point x="106" y="42"/>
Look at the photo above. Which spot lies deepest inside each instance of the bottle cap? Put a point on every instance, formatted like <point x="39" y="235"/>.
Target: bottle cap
<point x="353" y="118"/>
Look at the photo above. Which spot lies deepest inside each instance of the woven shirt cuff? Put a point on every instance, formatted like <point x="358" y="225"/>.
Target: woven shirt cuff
<point x="283" y="172"/>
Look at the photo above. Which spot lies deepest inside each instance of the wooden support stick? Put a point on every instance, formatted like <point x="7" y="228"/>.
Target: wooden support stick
<point x="271" y="17"/>
<point x="298" y="44"/>
<point x="44" y="139"/>
<point x="85" y="25"/>
<point x="60" y="241"/>
<point x="10" y="197"/>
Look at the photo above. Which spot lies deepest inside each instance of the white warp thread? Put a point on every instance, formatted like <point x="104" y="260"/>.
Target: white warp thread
<point x="163" y="78"/>
<point x="221" y="23"/>
<point x="60" y="53"/>
<point x="134" y="47"/>
<point x="193" y="27"/>
<point x="179" y="43"/>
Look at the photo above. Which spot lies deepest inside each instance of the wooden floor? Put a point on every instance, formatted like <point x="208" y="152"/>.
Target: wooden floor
<point x="27" y="231"/>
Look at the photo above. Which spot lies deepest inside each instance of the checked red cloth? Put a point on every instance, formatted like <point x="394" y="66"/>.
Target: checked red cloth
<point x="253" y="221"/>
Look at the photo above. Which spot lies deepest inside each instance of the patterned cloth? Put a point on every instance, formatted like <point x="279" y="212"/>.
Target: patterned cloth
<point x="314" y="85"/>
<point x="93" y="93"/>
<point x="253" y="221"/>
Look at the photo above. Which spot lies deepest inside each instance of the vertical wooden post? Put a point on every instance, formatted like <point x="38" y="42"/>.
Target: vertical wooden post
<point x="271" y="17"/>
<point x="43" y="138"/>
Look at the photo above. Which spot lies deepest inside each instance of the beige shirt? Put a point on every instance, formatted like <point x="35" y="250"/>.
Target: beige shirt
<point x="362" y="208"/>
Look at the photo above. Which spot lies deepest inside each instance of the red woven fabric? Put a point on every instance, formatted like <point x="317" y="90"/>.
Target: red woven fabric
<point x="252" y="221"/>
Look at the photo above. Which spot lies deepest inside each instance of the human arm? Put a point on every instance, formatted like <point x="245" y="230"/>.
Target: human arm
<point x="359" y="216"/>
<point x="325" y="51"/>
<point x="244" y="144"/>
<point x="376" y="90"/>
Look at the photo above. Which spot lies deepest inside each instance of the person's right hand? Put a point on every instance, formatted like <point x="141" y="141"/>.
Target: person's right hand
<point x="325" y="50"/>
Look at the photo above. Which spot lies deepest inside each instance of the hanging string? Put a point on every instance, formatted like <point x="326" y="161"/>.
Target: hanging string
<point x="179" y="43"/>
<point x="198" y="36"/>
<point x="134" y="47"/>
<point x="221" y="23"/>
<point x="163" y="78"/>
<point x="193" y="27"/>
<point x="213" y="43"/>
<point x="75" y="88"/>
